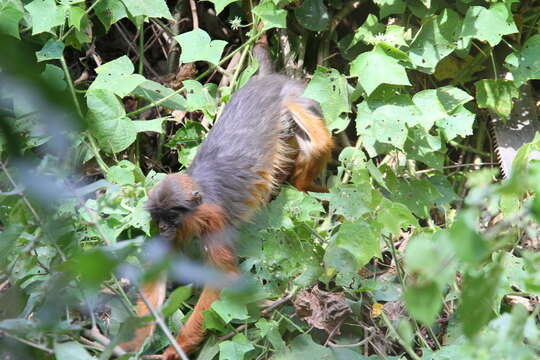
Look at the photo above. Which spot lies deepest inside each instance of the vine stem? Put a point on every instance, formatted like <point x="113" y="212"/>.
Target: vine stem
<point x="90" y="8"/>
<point x="402" y="342"/>
<point x="71" y="86"/>
<point x="210" y="69"/>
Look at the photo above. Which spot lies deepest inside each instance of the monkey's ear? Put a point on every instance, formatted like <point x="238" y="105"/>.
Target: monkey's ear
<point x="196" y="198"/>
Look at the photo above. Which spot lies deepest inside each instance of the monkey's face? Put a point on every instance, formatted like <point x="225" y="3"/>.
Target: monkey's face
<point x="172" y="200"/>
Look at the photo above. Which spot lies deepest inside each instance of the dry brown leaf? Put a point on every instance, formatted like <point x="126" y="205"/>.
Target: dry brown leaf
<point x="321" y="309"/>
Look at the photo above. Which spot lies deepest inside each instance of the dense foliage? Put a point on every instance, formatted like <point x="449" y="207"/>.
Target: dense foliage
<point x="420" y="250"/>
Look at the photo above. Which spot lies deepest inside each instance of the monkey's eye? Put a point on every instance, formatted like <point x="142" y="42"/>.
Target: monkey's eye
<point x="170" y="217"/>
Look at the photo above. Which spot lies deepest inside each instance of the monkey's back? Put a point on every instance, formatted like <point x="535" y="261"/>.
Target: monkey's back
<point x="238" y="163"/>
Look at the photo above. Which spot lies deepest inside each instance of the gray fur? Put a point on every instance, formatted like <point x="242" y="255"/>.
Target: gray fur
<point x="222" y="168"/>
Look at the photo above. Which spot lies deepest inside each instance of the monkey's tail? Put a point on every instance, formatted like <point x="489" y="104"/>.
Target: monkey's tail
<point x="154" y="291"/>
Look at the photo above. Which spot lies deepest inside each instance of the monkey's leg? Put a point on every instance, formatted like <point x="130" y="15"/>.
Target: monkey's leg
<point x="192" y="333"/>
<point x="314" y="151"/>
<point x="154" y="291"/>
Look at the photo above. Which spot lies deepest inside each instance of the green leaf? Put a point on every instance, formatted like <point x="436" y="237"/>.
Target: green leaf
<point x="8" y="240"/>
<point x="351" y="201"/>
<point x="186" y="140"/>
<point x="117" y="76"/>
<point x="477" y="305"/>
<point x="459" y="123"/>
<point x="109" y="12"/>
<point x="221" y="4"/>
<point x="150" y="8"/>
<point x="235" y="349"/>
<point x="394" y="216"/>
<point x="10" y="16"/>
<point x="370" y="30"/>
<point x="497" y="95"/>
<point x="390" y="7"/>
<point x="76" y="15"/>
<point x="487" y="24"/>
<point x="430" y="108"/>
<point x="424" y="301"/>
<point x="272" y="16"/>
<point x="175" y="299"/>
<point x="452" y="97"/>
<point x="418" y="195"/>
<point x="313" y="15"/>
<point x="383" y="118"/>
<point x="121" y="173"/>
<point x="154" y="125"/>
<point x="54" y="76"/>
<point x="360" y="240"/>
<point x="71" y="351"/>
<point x="422" y="146"/>
<point x="112" y="129"/>
<point x="375" y="68"/>
<point x="197" y="46"/>
<point x="469" y="245"/>
<point x="51" y="50"/>
<point x="436" y="39"/>
<point x="199" y="97"/>
<point x="524" y="63"/>
<point x="153" y="91"/>
<point x="329" y="88"/>
<point x="228" y="309"/>
<point x="44" y="15"/>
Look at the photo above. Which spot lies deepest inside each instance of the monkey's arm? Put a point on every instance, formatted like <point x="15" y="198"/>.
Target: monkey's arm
<point x="220" y="253"/>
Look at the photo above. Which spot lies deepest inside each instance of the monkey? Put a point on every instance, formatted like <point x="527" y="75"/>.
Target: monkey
<point x="268" y="134"/>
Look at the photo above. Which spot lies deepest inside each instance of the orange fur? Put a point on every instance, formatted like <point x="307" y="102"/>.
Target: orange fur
<point x="155" y="293"/>
<point x="207" y="218"/>
<point x="192" y="333"/>
<point x="313" y="157"/>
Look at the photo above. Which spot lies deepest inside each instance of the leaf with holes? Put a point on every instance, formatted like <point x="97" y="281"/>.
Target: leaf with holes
<point x="351" y="201"/>
<point x="497" y="95"/>
<point x="525" y="64"/>
<point x="330" y="89"/>
<point x="153" y="91"/>
<point x="110" y="12"/>
<point x="458" y="123"/>
<point x="117" y="76"/>
<point x="149" y="8"/>
<point x="51" y="50"/>
<point x="436" y="39"/>
<point x="359" y="239"/>
<point x="383" y="118"/>
<point x="44" y="15"/>
<point x="198" y="46"/>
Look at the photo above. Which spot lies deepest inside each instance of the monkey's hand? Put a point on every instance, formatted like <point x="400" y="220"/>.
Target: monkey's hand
<point x="170" y="354"/>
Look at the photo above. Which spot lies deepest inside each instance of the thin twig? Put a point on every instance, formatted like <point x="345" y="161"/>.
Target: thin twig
<point x="210" y="69"/>
<point x="194" y="16"/>
<point x="96" y="335"/>
<point x="27" y="342"/>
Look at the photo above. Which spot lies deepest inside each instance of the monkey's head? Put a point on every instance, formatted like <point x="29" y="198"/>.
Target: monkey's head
<point x="171" y="201"/>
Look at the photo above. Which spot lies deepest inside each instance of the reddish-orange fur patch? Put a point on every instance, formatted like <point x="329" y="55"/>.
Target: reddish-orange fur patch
<point x="207" y="218"/>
